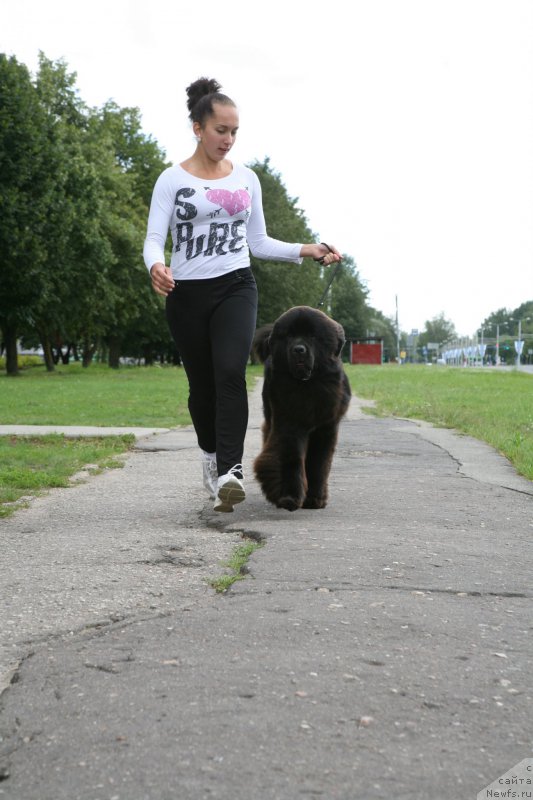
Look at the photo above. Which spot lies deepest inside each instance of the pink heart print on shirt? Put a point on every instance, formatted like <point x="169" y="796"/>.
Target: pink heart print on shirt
<point x="232" y="202"/>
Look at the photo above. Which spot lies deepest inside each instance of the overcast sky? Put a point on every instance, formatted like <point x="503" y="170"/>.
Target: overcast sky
<point x="403" y="127"/>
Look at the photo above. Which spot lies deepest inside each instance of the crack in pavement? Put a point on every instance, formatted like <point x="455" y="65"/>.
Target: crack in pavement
<point x="303" y="586"/>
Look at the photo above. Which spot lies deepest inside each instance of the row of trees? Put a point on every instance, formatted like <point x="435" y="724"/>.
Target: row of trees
<point x="76" y="187"/>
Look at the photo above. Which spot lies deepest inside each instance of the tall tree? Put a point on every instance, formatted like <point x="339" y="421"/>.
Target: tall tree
<point x="524" y="314"/>
<point x="27" y="181"/>
<point x="137" y="161"/>
<point x="136" y="153"/>
<point x="347" y="303"/>
<point x="280" y="284"/>
<point x="68" y="216"/>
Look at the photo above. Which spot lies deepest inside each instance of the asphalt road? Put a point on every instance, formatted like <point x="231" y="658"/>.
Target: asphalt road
<point x="380" y="648"/>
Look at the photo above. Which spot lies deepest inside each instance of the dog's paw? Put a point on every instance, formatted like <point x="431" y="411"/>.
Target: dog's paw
<point x="315" y="502"/>
<point x="289" y="503"/>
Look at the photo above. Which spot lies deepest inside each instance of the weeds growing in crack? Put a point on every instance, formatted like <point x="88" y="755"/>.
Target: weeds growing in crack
<point x="237" y="563"/>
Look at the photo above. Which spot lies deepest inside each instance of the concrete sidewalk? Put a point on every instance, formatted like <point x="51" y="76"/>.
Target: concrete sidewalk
<point x="75" y="431"/>
<point x="380" y="648"/>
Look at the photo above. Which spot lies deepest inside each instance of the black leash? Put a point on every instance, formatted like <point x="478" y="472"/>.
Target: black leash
<point x="332" y="277"/>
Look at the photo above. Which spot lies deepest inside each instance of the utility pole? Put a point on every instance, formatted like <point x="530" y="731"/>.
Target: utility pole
<point x="397" y="334"/>
<point x="519" y="345"/>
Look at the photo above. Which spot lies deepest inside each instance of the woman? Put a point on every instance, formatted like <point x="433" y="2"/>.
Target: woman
<point x="213" y="208"/>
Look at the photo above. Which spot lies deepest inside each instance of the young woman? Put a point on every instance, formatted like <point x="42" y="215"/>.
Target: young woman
<point x="214" y="210"/>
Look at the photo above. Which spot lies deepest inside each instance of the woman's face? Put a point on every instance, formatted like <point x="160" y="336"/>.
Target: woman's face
<point x="217" y="137"/>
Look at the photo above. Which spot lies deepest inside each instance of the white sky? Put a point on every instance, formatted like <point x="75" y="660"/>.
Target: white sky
<point x="403" y="127"/>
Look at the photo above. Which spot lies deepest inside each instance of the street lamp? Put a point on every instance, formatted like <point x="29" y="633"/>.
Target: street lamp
<point x="498" y="341"/>
<point x="498" y="338"/>
<point x="519" y="344"/>
<point x="482" y="347"/>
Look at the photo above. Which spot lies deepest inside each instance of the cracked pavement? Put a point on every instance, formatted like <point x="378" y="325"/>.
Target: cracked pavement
<point x="380" y="648"/>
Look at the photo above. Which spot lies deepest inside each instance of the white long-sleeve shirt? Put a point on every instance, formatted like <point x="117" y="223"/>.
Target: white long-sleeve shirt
<point x="214" y="224"/>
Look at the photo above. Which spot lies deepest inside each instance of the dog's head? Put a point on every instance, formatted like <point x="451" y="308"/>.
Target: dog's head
<point x="304" y="341"/>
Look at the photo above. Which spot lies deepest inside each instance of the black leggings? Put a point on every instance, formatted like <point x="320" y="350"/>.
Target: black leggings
<point x="212" y="322"/>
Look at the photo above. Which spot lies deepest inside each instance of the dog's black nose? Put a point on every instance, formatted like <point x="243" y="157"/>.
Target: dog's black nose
<point x="299" y="349"/>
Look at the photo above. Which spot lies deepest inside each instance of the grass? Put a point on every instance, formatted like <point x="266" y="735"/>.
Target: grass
<point x="151" y="397"/>
<point x="128" y="397"/>
<point x="496" y="407"/>
<point x="31" y="465"/>
<point x="131" y="396"/>
<point x="237" y="563"/>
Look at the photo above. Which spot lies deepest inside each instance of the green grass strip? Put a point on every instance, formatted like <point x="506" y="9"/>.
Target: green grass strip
<point x="32" y="465"/>
<point x="237" y="564"/>
<point x="131" y="396"/>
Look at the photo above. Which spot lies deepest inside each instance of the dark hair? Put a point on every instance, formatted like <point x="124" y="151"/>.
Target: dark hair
<point x="201" y="95"/>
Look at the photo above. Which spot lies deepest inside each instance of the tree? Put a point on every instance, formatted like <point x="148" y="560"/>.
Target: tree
<point x="509" y="320"/>
<point x="136" y="153"/>
<point x="385" y="328"/>
<point x="134" y="163"/>
<point x="524" y="313"/>
<point x="499" y="325"/>
<point x="80" y="254"/>
<point x="438" y="330"/>
<point x="280" y="284"/>
<point x="27" y="179"/>
<point x="500" y="317"/>
<point x="347" y="301"/>
<point x="70" y="214"/>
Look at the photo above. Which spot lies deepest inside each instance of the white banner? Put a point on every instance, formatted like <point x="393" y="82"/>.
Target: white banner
<point x="519" y="346"/>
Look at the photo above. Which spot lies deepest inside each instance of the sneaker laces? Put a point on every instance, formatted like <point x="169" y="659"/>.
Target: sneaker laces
<point x="237" y="471"/>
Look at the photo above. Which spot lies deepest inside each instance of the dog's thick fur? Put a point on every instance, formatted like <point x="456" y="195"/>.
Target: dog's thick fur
<point x="305" y="394"/>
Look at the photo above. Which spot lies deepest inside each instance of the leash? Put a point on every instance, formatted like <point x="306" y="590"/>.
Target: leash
<point x="332" y="276"/>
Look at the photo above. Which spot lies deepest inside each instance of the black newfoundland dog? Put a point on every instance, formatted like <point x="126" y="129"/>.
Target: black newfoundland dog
<point x="305" y="394"/>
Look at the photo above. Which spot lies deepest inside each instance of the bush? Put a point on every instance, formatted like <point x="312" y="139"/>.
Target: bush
<point x="24" y="362"/>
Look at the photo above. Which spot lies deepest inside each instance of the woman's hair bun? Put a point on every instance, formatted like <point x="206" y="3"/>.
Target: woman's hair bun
<point x="199" y="89"/>
<point x="201" y="95"/>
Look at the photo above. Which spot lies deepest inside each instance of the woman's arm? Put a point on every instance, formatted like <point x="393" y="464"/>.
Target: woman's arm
<point x="260" y="243"/>
<point x="156" y="235"/>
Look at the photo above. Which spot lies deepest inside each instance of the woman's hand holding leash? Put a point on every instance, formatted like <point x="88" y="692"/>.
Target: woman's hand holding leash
<point x="323" y="253"/>
<point x="162" y="279"/>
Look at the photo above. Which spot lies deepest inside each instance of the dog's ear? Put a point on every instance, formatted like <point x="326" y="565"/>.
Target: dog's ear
<point x="341" y="339"/>
<point x="261" y="343"/>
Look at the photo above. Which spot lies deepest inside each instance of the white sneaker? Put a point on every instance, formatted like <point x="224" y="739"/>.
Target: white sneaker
<point x="210" y="473"/>
<point x="230" y="490"/>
